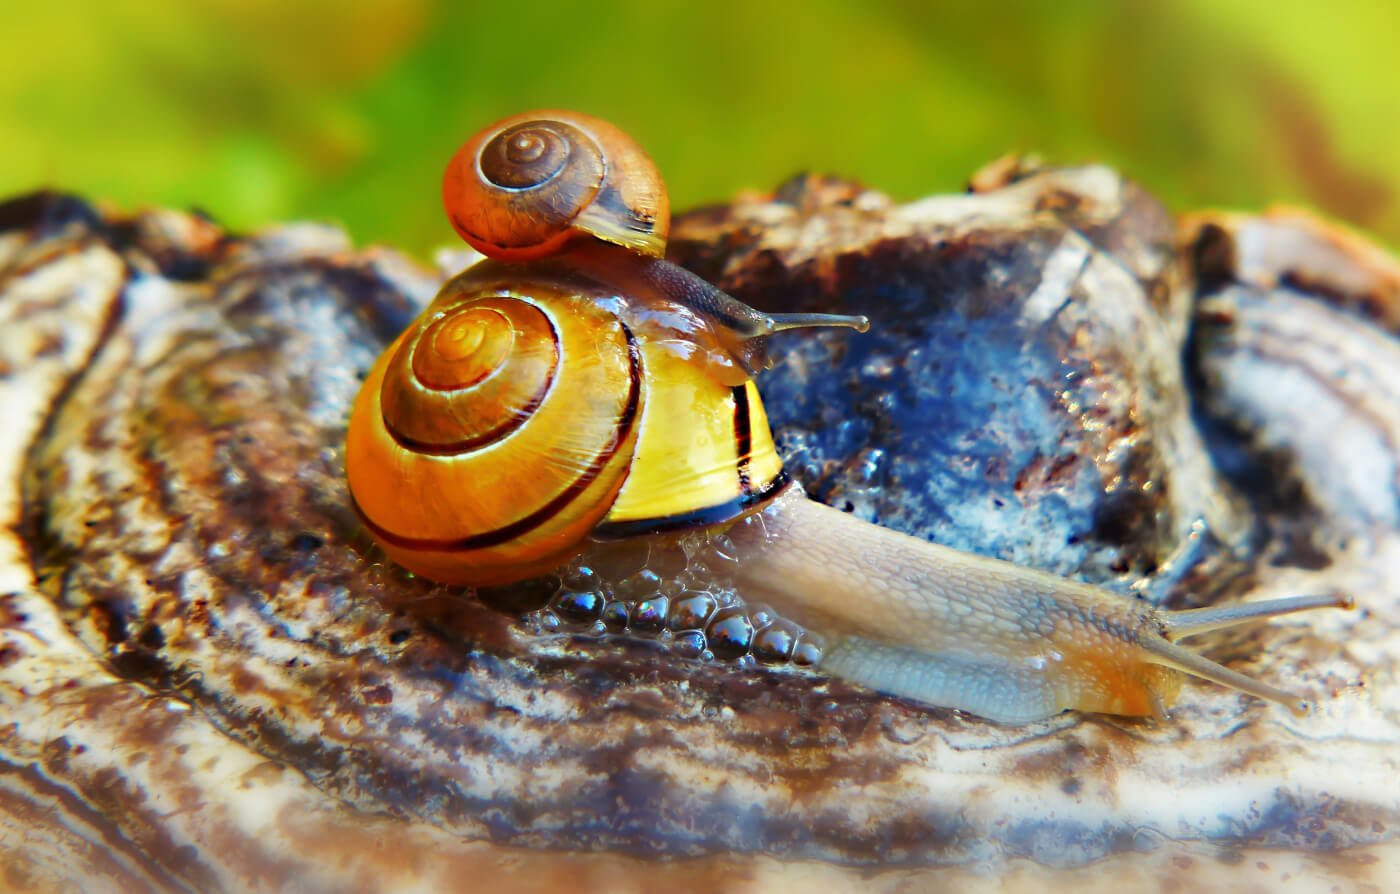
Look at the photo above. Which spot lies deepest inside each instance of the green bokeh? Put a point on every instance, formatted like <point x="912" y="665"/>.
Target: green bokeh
<point x="259" y="111"/>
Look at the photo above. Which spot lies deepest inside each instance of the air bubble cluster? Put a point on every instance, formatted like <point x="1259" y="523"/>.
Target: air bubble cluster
<point x="681" y="602"/>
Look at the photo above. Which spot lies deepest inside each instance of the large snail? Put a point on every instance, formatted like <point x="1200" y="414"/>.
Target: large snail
<point x="579" y="388"/>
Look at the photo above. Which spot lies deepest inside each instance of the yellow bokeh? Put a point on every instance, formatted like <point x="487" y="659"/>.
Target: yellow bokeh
<point x="258" y="111"/>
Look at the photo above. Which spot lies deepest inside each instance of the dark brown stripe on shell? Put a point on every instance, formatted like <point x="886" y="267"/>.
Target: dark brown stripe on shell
<point x="610" y="199"/>
<point x="553" y="507"/>
<point x="743" y="436"/>
<point x="490" y="437"/>
<point x="699" y="518"/>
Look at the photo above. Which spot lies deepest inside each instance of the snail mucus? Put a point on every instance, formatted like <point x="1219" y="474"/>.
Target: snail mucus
<point x="576" y="389"/>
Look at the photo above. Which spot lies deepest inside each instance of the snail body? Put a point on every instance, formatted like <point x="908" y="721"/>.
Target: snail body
<point x="579" y="388"/>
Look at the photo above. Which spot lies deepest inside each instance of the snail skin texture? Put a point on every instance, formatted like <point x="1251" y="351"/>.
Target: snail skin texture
<point x="578" y="388"/>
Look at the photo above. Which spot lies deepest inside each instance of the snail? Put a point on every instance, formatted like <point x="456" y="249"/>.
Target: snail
<point x="577" y="388"/>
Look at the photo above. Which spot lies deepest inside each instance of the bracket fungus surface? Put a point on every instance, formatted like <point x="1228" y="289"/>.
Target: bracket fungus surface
<point x="211" y="680"/>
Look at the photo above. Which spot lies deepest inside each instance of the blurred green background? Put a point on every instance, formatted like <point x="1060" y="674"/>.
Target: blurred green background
<point x="265" y="110"/>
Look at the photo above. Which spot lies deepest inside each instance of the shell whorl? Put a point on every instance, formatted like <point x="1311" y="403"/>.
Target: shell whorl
<point x="534" y="153"/>
<point x="471" y="375"/>
<point x="522" y="188"/>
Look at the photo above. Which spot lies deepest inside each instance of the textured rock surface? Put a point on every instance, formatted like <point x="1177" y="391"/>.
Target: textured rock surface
<point x="1023" y="346"/>
<point x="209" y="680"/>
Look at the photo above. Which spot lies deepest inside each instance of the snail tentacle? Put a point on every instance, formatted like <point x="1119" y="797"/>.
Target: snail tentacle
<point x="743" y="329"/>
<point x="1194" y="621"/>
<point x="1165" y="653"/>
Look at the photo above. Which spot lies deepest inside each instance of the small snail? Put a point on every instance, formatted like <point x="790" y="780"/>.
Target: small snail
<point x="578" y="388"/>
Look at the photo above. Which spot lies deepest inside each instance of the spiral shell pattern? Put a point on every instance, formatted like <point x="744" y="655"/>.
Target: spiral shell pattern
<point x="495" y="433"/>
<point x="525" y="186"/>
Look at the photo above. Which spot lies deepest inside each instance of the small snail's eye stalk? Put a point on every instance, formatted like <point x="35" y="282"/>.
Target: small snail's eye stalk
<point x="743" y="329"/>
<point x="784" y="322"/>
<point x="753" y="350"/>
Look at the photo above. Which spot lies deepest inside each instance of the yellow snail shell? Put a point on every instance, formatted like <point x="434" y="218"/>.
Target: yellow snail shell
<point x="526" y="411"/>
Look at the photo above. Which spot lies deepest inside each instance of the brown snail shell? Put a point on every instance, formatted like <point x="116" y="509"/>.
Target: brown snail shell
<point x="525" y="186"/>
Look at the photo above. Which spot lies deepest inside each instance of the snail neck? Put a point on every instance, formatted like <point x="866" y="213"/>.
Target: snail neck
<point x="742" y="330"/>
